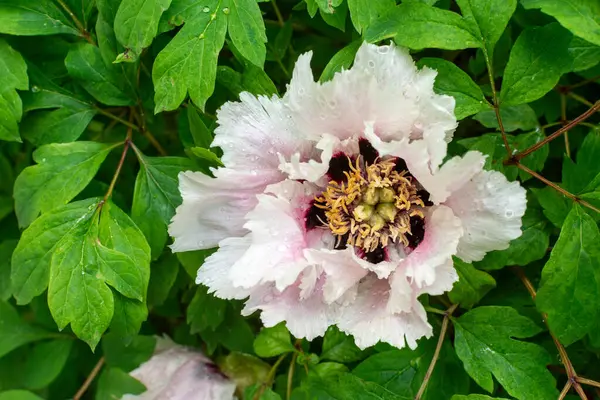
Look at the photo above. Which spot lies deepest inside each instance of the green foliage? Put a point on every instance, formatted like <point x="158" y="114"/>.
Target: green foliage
<point x="104" y="103"/>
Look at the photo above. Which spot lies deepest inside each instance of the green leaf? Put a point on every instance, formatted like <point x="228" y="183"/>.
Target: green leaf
<point x="556" y="206"/>
<point x="13" y="70"/>
<point x="18" y="394"/>
<point x="108" y="251"/>
<point x="337" y="346"/>
<point x="585" y="55"/>
<point x="418" y="26"/>
<point x="584" y="175"/>
<point x="10" y="115"/>
<point x="402" y="371"/>
<point x="537" y="60"/>
<point x="162" y="277"/>
<point x="343" y="59"/>
<point x="513" y="118"/>
<point x="454" y="82"/>
<point x="6" y="250"/>
<point x="530" y="246"/>
<point x="156" y="195"/>
<point x="114" y="383"/>
<point x="344" y="386"/>
<point x="476" y="397"/>
<point x="45" y="362"/>
<point x="485" y="343"/>
<point x="85" y="64"/>
<point x="200" y="134"/>
<point x="32" y="17"/>
<point x="488" y="19"/>
<point x="364" y="12"/>
<point x="247" y="29"/>
<point x="15" y="332"/>
<point x="62" y="172"/>
<point x="128" y="316"/>
<point x="189" y="62"/>
<point x="234" y="333"/>
<point x="206" y="155"/>
<point x="273" y="341"/>
<point x="65" y="123"/>
<point x="136" y="24"/>
<point x="127" y="356"/>
<point x="31" y="259"/>
<point x="205" y="311"/>
<point x="471" y="286"/>
<point x="327" y="369"/>
<point x="570" y="288"/>
<point x="336" y="18"/>
<point x="582" y="17"/>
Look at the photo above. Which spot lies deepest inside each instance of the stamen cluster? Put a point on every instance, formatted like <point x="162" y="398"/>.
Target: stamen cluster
<point x="372" y="206"/>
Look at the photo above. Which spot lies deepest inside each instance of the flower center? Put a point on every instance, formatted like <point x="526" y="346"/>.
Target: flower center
<point x="372" y="206"/>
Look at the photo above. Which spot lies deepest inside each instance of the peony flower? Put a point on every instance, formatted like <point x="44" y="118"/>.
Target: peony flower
<point x="333" y="206"/>
<point x="178" y="373"/>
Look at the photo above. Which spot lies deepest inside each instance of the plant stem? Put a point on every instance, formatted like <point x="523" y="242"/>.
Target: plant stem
<point x="290" y="377"/>
<point x="142" y="122"/>
<point x="278" y="13"/>
<point x="556" y="187"/>
<point x="118" y="119"/>
<point x="78" y="23"/>
<point x="496" y="105"/>
<point x="561" y="349"/>
<point x="89" y="379"/>
<point x="595" y="107"/>
<point x="436" y="354"/>
<point x="563" y="120"/>
<point x="589" y="382"/>
<point x="435" y="310"/>
<point x="565" y="390"/>
<point x="120" y="164"/>
<point x="270" y="377"/>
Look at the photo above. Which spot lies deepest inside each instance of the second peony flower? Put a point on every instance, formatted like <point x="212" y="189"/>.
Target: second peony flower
<point x="334" y="206"/>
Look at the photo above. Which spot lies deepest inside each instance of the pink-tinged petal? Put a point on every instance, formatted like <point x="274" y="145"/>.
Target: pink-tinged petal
<point x="490" y="209"/>
<point x="445" y="277"/>
<point x="453" y="175"/>
<point x="443" y="231"/>
<point x="369" y="321"/>
<point x="178" y="373"/>
<point x="277" y="237"/>
<point x="253" y="131"/>
<point x="214" y="273"/>
<point x="307" y="318"/>
<point x="341" y="270"/>
<point x="214" y="208"/>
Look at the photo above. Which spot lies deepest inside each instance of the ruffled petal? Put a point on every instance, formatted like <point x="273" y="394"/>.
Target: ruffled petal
<point x="214" y="273"/>
<point x="340" y="268"/>
<point x="306" y="318"/>
<point x="214" y="208"/>
<point x="490" y="209"/>
<point x="369" y="321"/>
<point x="384" y="87"/>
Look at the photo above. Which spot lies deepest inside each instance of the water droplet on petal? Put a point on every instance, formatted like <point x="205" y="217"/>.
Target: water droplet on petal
<point x="383" y="49"/>
<point x="509" y="213"/>
<point x="371" y="64"/>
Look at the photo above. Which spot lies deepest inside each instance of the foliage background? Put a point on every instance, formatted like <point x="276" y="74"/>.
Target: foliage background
<point x="103" y="102"/>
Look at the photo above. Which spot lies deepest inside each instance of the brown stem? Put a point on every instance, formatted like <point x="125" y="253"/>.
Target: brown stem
<point x="495" y="98"/>
<point x="579" y="84"/>
<point x="557" y="188"/>
<point x="278" y="13"/>
<point x="147" y="134"/>
<point x="589" y="382"/>
<point x="561" y="349"/>
<point x="595" y="107"/>
<point x="565" y="390"/>
<point x="78" y="23"/>
<point x="126" y="146"/>
<point x="436" y="354"/>
<point x="117" y="119"/>
<point x="89" y="379"/>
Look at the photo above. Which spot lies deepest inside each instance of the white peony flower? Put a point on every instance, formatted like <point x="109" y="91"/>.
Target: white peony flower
<point x="334" y="207"/>
<point x="178" y="373"/>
